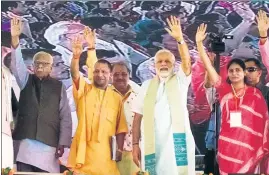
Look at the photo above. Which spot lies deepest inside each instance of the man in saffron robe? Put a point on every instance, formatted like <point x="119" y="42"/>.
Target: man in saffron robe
<point x="169" y="146"/>
<point x="128" y="91"/>
<point x="100" y="116"/>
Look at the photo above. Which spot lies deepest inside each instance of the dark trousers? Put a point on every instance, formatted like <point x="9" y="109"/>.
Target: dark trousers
<point x="63" y="169"/>
<point x="210" y="166"/>
<point x="22" y="167"/>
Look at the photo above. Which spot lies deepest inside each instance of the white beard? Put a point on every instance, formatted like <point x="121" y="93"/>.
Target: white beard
<point x="164" y="75"/>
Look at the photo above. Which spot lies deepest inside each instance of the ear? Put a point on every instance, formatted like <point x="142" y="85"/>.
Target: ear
<point x="31" y="68"/>
<point x="260" y="73"/>
<point x="110" y="81"/>
<point x="154" y="63"/>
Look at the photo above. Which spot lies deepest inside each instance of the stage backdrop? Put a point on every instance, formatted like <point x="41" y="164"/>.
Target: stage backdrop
<point x="132" y="32"/>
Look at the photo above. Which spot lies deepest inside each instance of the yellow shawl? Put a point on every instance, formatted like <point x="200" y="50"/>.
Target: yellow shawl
<point x="178" y="122"/>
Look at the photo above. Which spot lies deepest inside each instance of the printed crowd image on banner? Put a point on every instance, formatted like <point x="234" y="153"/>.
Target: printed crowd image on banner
<point x="133" y="31"/>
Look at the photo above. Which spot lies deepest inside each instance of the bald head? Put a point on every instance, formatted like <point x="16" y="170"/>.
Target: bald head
<point x="164" y="63"/>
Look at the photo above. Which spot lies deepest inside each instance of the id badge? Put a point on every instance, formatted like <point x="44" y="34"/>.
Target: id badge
<point x="235" y="119"/>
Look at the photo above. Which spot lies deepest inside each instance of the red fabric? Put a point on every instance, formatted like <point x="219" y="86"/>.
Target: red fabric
<point x="265" y="165"/>
<point x="200" y="102"/>
<point x="254" y="133"/>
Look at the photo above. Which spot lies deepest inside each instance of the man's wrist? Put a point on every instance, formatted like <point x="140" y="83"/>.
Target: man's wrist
<point x="91" y="49"/>
<point x="76" y="57"/>
<point x="91" y="45"/>
<point x="263" y="34"/>
<point x="180" y="42"/>
<point x="135" y="143"/>
<point x="15" y="41"/>
<point x="179" y="39"/>
<point x="199" y="42"/>
<point x="120" y="150"/>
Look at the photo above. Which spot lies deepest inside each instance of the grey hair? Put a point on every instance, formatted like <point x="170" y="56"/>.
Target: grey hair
<point x="122" y="63"/>
<point x="162" y="52"/>
<point x="43" y="54"/>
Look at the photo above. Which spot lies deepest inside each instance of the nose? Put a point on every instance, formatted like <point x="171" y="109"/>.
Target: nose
<point x="120" y="76"/>
<point x="99" y="74"/>
<point x="40" y="66"/>
<point x="234" y="73"/>
<point x="163" y="63"/>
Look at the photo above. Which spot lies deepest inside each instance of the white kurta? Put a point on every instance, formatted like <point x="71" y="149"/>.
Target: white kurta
<point x="164" y="143"/>
<point x="7" y="118"/>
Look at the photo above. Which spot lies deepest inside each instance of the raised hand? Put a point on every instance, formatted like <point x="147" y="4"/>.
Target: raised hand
<point x="200" y="34"/>
<point x="263" y="23"/>
<point x="175" y="28"/>
<point x="90" y="36"/>
<point x="16" y="27"/>
<point x="15" y="30"/>
<point x="77" y="46"/>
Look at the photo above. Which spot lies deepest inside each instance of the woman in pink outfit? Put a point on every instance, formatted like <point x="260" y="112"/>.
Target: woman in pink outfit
<point x="243" y="141"/>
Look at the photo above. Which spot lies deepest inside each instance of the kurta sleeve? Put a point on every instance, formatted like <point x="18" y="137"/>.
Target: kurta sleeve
<point x="182" y="77"/>
<point x="138" y="103"/>
<point x="121" y="121"/>
<point x="65" y="120"/>
<point x="18" y="68"/>
<point x="264" y="50"/>
<point x="78" y="93"/>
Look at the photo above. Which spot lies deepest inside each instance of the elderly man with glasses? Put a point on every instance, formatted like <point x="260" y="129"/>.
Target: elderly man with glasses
<point x="44" y="124"/>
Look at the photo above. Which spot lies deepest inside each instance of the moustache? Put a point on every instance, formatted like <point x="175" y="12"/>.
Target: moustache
<point x="120" y="81"/>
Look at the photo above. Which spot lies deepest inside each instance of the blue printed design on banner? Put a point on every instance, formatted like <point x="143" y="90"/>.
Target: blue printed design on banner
<point x="180" y="149"/>
<point x="150" y="164"/>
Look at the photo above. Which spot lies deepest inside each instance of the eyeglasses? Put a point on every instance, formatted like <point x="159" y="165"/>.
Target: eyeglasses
<point x="252" y="69"/>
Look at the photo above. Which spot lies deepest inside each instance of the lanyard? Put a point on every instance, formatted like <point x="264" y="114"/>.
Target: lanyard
<point x="236" y="97"/>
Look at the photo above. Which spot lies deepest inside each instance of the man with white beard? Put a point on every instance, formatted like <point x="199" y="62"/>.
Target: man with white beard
<point x="168" y="146"/>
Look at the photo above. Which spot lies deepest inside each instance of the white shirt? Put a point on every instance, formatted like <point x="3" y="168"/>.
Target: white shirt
<point x="163" y="127"/>
<point x="128" y="103"/>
